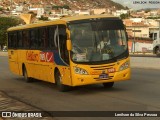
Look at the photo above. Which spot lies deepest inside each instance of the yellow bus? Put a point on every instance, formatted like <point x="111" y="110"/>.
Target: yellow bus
<point x="72" y="51"/>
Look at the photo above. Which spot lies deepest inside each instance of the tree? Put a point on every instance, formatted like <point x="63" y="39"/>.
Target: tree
<point x="124" y="16"/>
<point x="1" y="9"/>
<point x="66" y="6"/>
<point x="5" y="23"/>
<point x="43" y="18"/>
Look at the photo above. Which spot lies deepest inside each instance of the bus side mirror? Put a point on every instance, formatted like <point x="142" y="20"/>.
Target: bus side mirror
<point x="69" y="45"/>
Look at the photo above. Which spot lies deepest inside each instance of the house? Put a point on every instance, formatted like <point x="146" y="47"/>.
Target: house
<point x="98" y="11"/>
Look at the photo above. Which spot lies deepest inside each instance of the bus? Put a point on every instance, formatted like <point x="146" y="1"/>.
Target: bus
<point x="71" y="51"/>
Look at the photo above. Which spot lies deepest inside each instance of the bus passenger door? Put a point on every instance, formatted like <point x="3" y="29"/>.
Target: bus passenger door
<point x="12" y="53"/>
<point x="64" y="55"/>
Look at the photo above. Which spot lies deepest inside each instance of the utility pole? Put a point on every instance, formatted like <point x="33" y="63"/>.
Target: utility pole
<point x="11" y="6"/>
<point x="134" y="41"/>
<point x="159" y="27"/>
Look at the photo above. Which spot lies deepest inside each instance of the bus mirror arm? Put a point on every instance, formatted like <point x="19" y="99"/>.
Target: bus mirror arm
<point x="69" y="45"/>
<point x="127" y="36"/>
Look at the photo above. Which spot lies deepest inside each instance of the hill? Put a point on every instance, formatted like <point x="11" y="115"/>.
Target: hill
<point x="77" y="4"/>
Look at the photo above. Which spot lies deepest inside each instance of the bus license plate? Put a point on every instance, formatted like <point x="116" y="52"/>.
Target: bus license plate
<point x="103" y="76"/>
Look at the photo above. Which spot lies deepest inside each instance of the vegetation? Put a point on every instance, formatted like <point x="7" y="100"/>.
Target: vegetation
<point x="153" y="17"/>
<point x="1" y="9"/>
<point x="61" y="7"/>
<point x="124" y="16"/>
<point x="43" y="18"/>
<point x="5" y="23"/>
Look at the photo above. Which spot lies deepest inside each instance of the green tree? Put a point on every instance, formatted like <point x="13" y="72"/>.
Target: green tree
<point x="43" y="18"/>
<point x="5" y="23"/>
<point x="124" y="16"/>
<point x="66" y="6"/>
<point x="1" y="9"/>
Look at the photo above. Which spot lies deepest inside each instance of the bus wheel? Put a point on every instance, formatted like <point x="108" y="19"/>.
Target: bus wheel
<point x="158" y="52"/>
<point x="108" y="85"/>
<point x="27" y="79"/>
<point x="61" y="87"/>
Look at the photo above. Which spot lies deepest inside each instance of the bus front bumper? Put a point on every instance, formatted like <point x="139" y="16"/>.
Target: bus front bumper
<point x="78" y="79"/>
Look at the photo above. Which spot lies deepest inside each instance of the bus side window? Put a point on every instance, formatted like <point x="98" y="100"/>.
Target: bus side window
<point x="36" y="38"/>
<point x="25" y="38"/>
<point x="45" y="37"/>
<point x="42" y="37"/>
<point x="20" y="41"/>
<point x="12" y="40"/>
<point x="33" y="38"/>
<point x="51" y="34"/>
<point x="15" y="39"/>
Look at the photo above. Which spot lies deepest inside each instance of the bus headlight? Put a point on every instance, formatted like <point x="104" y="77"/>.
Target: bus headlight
<point x="124" y="66"/>
<point x="78" y="70"/>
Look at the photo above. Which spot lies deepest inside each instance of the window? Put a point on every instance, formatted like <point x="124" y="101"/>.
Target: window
<point x="52" y="37"/>
<point x="42" y="37"/>
<point x="20" y="41"/>
<point x="33" y="38"/>
<point x="62" y="43"/>
<point x="155" y="36"/>
<point x="26" y="38"/>
<point x="12" y="40"/>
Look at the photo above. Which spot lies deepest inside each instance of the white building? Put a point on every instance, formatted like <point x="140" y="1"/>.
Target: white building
<point x="15" y="13"/>
<point x="82" y="12"/>
<point x="119" y="12"/>
<point x="98" y="11"/>
<point x="19" y="8"/>
<point x="66" y="12"/>
<point x="152" y="22"/>
<point x="154" y="13"/>
<point x="40" y="12"/>
<point x="137" y="20"/>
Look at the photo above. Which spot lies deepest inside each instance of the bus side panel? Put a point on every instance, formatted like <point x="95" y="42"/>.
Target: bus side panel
<point x="46" y="72"/>
<point x="20" y="61"/>
<point x="31" y="61"/>
<point x="37" y="67"/>
<point x="13" y="61"/>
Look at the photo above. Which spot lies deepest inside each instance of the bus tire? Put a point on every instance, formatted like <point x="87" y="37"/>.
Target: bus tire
<point x="158" y="52"/>
<point x="58" y="80"/>
<point x="108" y="85"/>
<point x="25" y="74"/>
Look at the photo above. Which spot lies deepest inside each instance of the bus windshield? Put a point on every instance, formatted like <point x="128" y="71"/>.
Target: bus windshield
<point x="95" y="41"/>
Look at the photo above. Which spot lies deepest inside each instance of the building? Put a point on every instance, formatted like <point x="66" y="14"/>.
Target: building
<point x="98" y="11"/>
<point x="82" y="12"/>
<point x="137" y="28"/>
<point x="120" y="12"/>
<point x="40" y="12"/>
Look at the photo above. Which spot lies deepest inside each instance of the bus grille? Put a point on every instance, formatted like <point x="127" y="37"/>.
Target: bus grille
<point x="104" y="67"/>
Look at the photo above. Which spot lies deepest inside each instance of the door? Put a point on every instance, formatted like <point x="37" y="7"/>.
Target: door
<point x="13" y="52"/>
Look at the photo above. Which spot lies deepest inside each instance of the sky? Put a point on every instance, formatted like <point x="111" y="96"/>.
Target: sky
<point x="131" y="3"/>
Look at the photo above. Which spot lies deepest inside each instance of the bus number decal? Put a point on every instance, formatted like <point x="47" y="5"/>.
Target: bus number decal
<point x="46" y="56"/>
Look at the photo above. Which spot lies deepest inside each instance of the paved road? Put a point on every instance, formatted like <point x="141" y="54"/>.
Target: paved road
<point x="140" y="93"/>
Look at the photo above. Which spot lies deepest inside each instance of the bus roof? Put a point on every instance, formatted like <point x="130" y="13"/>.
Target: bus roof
<point x="60" y="21"/>
<point x="81" y="17"/>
